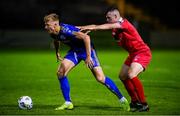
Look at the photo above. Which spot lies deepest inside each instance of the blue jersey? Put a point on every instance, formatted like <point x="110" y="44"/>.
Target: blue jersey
<point x="77" y="50"/>
<point x="66" y="36"/>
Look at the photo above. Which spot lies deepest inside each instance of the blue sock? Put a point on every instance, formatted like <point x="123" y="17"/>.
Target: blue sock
<point x="65" y="88"/>
<point x="111" y="86"/>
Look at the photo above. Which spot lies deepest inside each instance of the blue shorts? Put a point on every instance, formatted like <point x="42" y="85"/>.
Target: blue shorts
<point x="77" y="56"/>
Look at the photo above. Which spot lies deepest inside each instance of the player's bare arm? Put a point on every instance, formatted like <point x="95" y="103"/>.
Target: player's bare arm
<point x="84" y="30"/>
<point x="107" y="26"/>
<point x="87" y="43"/>
<point x="86" y="26"/>
<point x="102" y="27"/>
<point x="56" y="46"/>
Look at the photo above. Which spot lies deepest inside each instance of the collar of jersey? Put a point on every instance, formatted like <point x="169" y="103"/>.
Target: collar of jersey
<point x="120" y="20"/>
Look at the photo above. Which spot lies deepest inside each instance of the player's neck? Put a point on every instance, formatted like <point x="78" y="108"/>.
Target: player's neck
<point x="57" y="29"/>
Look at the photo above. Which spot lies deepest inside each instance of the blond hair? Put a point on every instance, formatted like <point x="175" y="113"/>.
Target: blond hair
<point x="51" y="17"/>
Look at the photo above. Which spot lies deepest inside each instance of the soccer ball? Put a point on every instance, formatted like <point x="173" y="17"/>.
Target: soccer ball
<point x="25" y="102"/>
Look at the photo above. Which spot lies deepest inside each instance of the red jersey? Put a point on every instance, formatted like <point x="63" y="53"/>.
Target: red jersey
<point x="129" y="39"/>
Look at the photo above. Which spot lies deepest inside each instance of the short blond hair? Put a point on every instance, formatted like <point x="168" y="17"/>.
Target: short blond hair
<point x="51" y="17"/>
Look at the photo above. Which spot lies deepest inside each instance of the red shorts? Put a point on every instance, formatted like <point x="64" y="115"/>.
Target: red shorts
<point x="142" y="58"/>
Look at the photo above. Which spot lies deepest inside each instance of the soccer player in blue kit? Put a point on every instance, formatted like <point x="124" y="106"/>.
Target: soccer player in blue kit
<point x="81" y="48"/>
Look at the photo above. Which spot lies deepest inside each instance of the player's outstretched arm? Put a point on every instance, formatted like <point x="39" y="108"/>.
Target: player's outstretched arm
<point x="107" y="26"/>
<point x="87" y="42"/>
<point x="101" y="27"/>
<point x="56" y="46"/>
<point x="86" y="26"/>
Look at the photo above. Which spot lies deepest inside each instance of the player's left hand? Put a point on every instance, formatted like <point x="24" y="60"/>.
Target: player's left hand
<point x="59" y="59"/>
<point x="89" y="62"/>
<point x="85" y="31"/>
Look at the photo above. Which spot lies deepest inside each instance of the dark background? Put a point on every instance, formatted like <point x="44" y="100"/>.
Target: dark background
<point x="166" y="10"/>
<point x="22" y="24"/>
<point x="29" y="13"/>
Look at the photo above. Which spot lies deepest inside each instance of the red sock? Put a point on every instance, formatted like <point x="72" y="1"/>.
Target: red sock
<point x="131" y="90"/>
<point x="139" y="89"/>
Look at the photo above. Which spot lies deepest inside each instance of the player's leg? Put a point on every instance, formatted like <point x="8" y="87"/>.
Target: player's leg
<point x="138" y="64"/>
<point x="123" y="75"/>
<point x="133" y="72"/>
<point x="67" y="64"/>
<point x="62" y="72"/>
<point x="100" y="77"/>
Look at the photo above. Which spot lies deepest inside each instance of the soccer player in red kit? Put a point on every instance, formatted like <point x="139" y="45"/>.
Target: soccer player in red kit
<point x="139" y="57"/>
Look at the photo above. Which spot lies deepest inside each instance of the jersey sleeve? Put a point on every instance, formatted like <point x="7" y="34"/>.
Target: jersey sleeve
<point x="69" y="30"/>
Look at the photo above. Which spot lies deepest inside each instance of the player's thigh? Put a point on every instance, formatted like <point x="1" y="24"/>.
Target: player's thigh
<point x="95" y="59"/>
<point x="98" y="74"/>
<point x="64" y="68"/>
<point x="135" y="69"/>
<point x="123" y="74"/>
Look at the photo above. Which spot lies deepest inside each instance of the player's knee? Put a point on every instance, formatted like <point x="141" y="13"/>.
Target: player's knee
<point x="60" y="73"/>
<point x="100" y="79"/>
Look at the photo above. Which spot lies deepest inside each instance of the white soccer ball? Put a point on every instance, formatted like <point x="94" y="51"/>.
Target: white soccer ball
<point x="25" y="102"/>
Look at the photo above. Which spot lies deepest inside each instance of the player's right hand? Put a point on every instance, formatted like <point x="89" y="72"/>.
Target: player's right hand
<point x="89" y="63"/>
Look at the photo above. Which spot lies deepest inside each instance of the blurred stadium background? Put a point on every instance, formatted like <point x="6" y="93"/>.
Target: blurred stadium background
<point x="22" y="21"/>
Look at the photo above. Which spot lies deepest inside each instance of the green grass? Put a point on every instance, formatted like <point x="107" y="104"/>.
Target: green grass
<point x="33" y="73"/>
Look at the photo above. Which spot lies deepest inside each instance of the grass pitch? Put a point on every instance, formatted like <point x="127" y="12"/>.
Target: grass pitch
<point x="33" y="73"/>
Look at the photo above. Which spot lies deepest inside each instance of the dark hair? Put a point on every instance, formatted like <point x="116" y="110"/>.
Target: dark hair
<point x="111" y="8"/>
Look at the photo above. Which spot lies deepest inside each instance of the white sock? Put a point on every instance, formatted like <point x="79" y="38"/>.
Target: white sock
<point x="67" y="102"/>
<point x="122" y="99"/>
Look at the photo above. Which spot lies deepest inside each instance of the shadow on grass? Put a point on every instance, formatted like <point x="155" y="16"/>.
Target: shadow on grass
<point x="34" y="107"/>
<point x="54" y="106"/>
<point x="89" y="109"/>
<point x="95" y="107"/>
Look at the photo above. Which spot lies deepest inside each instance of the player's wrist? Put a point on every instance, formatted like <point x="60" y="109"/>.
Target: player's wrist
<point x="57" y="54"/>
<point x="88" y="56"/>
